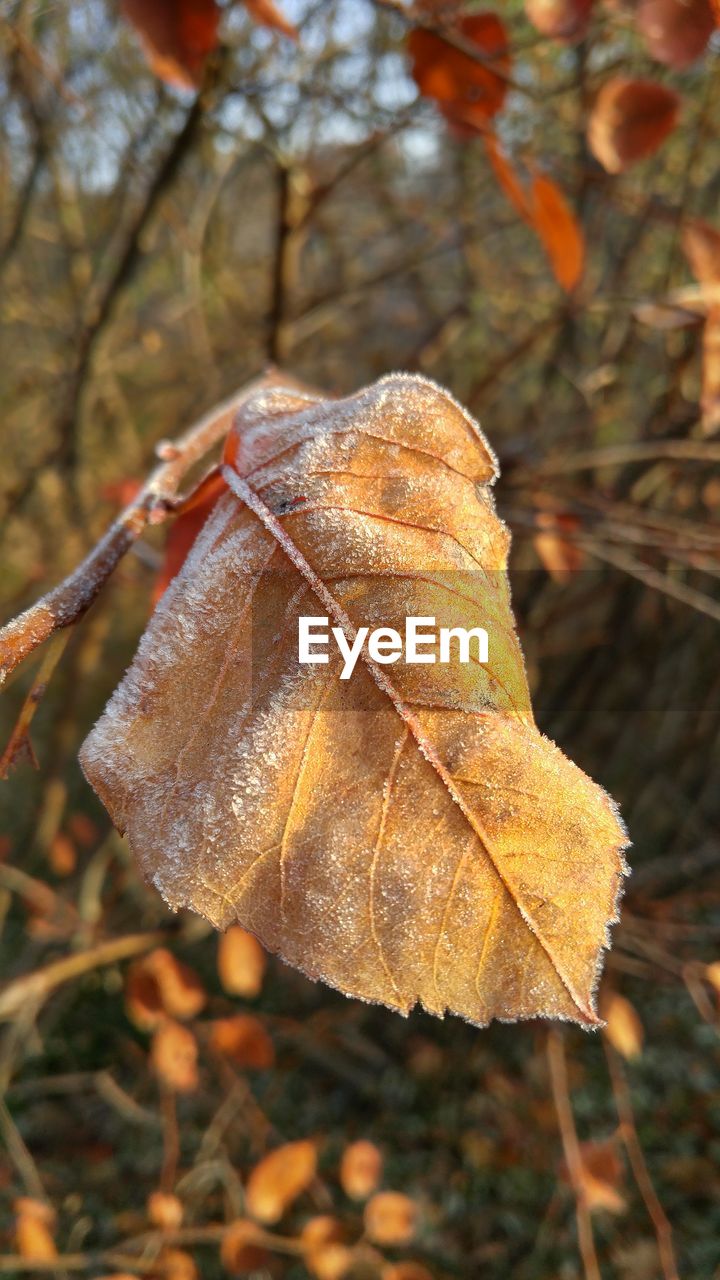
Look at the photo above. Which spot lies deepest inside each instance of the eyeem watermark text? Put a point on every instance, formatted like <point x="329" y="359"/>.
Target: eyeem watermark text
<point x="386" y="645"/>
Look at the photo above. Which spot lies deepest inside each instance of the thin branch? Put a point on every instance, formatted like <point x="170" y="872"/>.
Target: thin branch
<point x="628" y="1131"/>
<point x="34" y="988"/>
<point x="571" y="1148"/>
<point x="72" y="598"/>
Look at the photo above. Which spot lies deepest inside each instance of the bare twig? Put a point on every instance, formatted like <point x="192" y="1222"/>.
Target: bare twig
<point x="571" y="1148"/>
<point x="36" y="987"/>
<point x="628" y="1132"/>
<point x="72" y="598"/>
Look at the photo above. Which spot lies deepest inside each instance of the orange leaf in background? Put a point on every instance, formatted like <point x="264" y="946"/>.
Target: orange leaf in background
<point x="624" y="1029"/>
<point x="507" y="178"/>
<point x="241" y="962"/>
<point x="360" y="1169"/>
<point x="174" y="1056"/>
<point x="62" y="855"/>
<point x="325" y="1253"/>
<point x="559" y="555"/>
<point x="601" y="1175"/>
<point x="547" y="211"/>
<point x="279" y="1179"/>
<point x="160" y="985"/>
<point x="176" y="1264"/>
<point x="559" y="231"/>
<point x="676" y="32"/>
<point x="630" y="120"/>
<point x="83" y="829"/>
<point x="268" y="15"/>
<point x="244" y="1039"/>
<point x="241" y="1250"/>
<point x="177" y="36"/>
<point x="164" y="1210"/>
<point x="468" y="92"/>
<point x="223" y="758"/>
<point x="34" y="1224"/>
<point x="390" y="1218"/>
<point x="560" y="19"/>
<point x="701" y="244"/>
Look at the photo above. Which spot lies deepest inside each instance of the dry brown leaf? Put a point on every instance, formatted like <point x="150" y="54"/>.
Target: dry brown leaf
<point x="241" y="1250"/>
<point x="177" y="36"/>
<point x="559" y="231"/>
<point x="241" y="962"/>
<point x="390" y="1218"/>
<point x="176" y="1264"/>
<point x="554" y="545"/>
<point x="676" y="32"/>
<point x="470" y="866"/>
<point x="360" y="1169"/>
<point x="601" y="1175"/>
<point x="83" y="829"/>
<point x="630" y="120"/>
<point x="560" y="19"/>
<point x="267" y="13"/>
<point x="468" y="91"/>
<point x="546" y="210"/>
<point x="406" y="1271"/>
<point x="623" y="1027"/>
<point x="244" y="1039"/>
<point x="325" y="1252"/>
<point x="34" y="1226"/>
<point x="279" y="1179"/>
<point x="62" y="854"/>
<point x="701" y="243"/>
<point x="164" y="1210"/>
<point x="160" y="986"/>
<point x="174" y="1056"/>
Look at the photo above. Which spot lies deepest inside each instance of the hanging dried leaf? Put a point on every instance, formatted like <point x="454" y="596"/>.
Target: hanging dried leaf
<point x="561" y="19"/>
<point x="279" y="1179"/>
<point x="177" y="1264"/>
<point x="160" y="985"/>
<point x="676" y="32"/>
<point x="468" y="90"/>
<point x="241" y="962"/>
<point x="325" y="1252"/>
<point x="241" y="1250"/>
<point x="34" y="1226"/>
<point x="164" y="1210"/>
<point x="701" y="243"/>
<point x="558" y="230"/>
<point x="630" y="120"/>
<point x="390" y="1218"/>
<point x="406" y="1271"/>
<point x="177" y="36"/>
<point x="174" y="1056"/>
<point x="623" y="1027"/>
<point x="507" y="178"/>
<point x="244" y="1039"/>
<point x="470" y="866"/>
<point x="547" y="211"/>
<point x="360" y="1169"/>
<point x="268" y="15"/>
<point x="62" y="854"/>
<point x="556" y="550"/>
<point x="601" y="1176"/>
